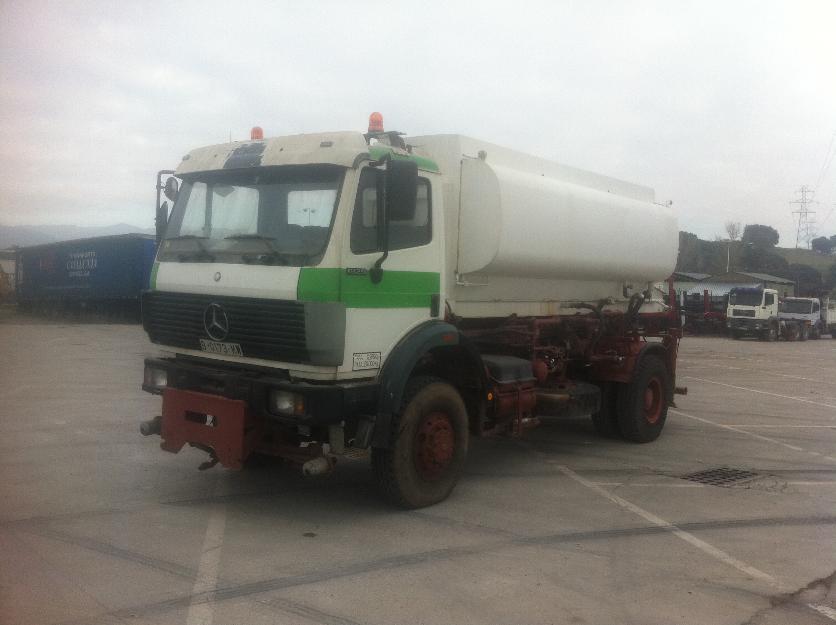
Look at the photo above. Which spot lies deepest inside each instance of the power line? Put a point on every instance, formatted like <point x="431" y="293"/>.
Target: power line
<point x="806" y="224"/>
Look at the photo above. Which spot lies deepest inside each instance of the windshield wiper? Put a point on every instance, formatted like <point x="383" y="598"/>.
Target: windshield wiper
<point x="271" y="257"/>
<point x="203" y="254"/>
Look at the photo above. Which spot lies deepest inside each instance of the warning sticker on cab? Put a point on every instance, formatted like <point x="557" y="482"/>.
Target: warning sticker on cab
<point x="366" y="360"/>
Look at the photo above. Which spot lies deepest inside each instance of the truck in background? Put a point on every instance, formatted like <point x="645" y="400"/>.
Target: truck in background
<point x="758" y="312"/>
<point x="753" y="312"/>
<point x="828" y="317"/>
<point x="802" y="317"/>
<point x="327" y="293"/>
<point x="103" y="275"/>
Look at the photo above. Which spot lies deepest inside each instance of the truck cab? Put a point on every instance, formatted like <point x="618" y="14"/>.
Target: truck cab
<point x="803" y="316"/>
<point x="753" y="312"/>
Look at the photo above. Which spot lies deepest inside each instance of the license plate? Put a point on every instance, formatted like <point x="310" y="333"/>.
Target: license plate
<point x="224" y="349"/>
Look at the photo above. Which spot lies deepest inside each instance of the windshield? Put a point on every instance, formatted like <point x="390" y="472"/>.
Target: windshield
<point x="279" y="216"/>
<point x="798" y="306"/>
<point x="745" y="297"/>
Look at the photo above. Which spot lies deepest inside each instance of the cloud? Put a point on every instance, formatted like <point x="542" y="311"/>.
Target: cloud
<point x="723" y="108"/>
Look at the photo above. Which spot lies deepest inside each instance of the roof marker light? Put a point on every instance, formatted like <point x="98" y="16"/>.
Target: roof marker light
<point x="375" y="122"/>
<point x="257" y="133"/>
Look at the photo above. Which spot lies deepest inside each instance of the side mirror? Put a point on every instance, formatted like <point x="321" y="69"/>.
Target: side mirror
<point x="401" y="180"/>
<point x="171" y="188"/>
<point x="400" y="188"/>
<point x="162" y="220"/>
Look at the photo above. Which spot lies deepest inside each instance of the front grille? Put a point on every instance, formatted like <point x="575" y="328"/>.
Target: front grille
<point x="264" y="328"/>
<point x="743" y="313"/>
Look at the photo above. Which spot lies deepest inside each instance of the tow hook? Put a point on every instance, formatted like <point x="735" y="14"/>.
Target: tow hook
<point x="213" y="460"/>
<point x="321" y="465"/>
<point x="151" y="426"/>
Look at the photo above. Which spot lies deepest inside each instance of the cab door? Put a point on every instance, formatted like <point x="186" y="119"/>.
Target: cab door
<point x="379" y="314"/>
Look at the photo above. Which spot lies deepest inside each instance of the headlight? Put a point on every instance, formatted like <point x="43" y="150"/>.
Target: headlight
<point x="285" y="402"/>
<point x="155" y="378"/>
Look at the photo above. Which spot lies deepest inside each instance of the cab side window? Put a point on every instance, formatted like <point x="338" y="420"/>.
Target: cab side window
<point x="407" y="231"/>
<point x="768" y="299"/>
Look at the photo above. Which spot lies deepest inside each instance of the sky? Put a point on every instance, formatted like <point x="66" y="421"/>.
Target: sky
<point x="724" y="108"/>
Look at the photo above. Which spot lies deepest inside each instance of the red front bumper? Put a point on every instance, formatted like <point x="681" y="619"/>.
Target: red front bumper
<point x="224" y="425"/>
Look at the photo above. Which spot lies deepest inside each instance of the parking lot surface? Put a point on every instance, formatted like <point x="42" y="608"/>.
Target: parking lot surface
<point x="99" y="526"/>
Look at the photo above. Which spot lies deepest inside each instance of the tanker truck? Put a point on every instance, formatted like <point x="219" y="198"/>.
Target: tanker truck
<point x="368" y="294"/>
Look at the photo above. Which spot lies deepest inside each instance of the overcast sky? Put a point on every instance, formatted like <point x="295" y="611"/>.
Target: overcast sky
<point x="726" y="108"/>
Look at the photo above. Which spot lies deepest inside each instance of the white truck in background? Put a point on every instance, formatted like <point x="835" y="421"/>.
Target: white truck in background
<point x="758" y="312"/>
<point x="803" y="317"/>
<point x="828" y="317"/>
<point x="324" y="294"/>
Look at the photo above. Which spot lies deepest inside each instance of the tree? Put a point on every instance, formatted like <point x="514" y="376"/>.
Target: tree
<point x="760" y="235"/>
<point x="808" y="282"/>
<point x="823" y="245"/>
<point x="763" y="260"/>
<point x="830" y="277"/>
<point x="733" y="230"/>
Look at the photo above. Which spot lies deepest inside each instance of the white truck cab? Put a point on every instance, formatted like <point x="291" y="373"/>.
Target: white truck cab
<point x="802" y="316"/>
<point x="753" y="312"/>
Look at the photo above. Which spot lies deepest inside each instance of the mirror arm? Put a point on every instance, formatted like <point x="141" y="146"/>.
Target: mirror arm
<point x="376" y="272"/>
<point x="160" y="187"/>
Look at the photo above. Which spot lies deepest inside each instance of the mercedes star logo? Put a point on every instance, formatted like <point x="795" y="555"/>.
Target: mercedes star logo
<point x="216" y="322"/>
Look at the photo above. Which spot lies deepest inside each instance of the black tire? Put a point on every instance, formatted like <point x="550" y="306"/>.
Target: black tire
<point x="427" y="446"/>
<point x="605" y="421"/>
<point x="643" y="403"/>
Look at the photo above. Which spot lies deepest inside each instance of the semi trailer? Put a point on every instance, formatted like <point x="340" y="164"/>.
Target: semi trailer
<point x="344" y="293"/>
<point x="105" y="275"/>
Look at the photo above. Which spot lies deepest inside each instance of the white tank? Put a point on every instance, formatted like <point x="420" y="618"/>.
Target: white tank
<point x="522" y="216"/>
<point x="521" y="223"/>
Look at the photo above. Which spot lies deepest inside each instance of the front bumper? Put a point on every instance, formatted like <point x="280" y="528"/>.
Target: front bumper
<point x="325" y="403"/>
<point x="746" y="324"/>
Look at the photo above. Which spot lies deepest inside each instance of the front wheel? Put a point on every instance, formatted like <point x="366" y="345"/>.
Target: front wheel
<point x="427" y="447"/>
<point x="643" y="403"/>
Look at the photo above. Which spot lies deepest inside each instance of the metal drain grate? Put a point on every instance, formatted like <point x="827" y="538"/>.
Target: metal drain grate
<point x="723" y="476"/>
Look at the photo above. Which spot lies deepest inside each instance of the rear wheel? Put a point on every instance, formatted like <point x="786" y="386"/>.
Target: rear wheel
<point x="643" y="403"/>
<point x="427" y="447"/>
<point x="605" y="421"/>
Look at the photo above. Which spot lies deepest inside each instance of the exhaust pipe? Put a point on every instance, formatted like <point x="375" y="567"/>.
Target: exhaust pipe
<point x="152" y="426"/>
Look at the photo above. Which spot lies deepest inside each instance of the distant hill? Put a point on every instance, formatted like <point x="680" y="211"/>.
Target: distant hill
<point x="23" y="236"/>
<point x="794" y="256"/>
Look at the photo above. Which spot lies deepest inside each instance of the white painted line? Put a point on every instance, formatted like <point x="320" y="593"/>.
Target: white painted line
<point x="202" y="612"/>
<point x="754" y="390"/>
<point x="703" y="546"/>
<point x="811" y="483"/>
<point x="742" y="431"/>
<point x="823" y="609"/>
<point x="765" y="425"/>
<point x="649" y="485"/>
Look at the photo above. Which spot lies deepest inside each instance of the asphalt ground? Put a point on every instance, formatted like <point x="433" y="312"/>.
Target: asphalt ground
<point x="99" y="526"/>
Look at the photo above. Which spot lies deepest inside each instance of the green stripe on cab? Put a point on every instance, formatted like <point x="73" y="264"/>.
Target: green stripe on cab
<point x="397" y="289"/>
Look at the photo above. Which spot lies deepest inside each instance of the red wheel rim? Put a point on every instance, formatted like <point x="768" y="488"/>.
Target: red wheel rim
<point x="435" y="443"/>
<point x="653" y="400"/>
